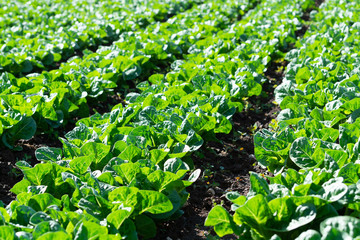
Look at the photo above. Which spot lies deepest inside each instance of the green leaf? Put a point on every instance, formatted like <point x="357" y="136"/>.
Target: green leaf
<point x="128" y="229"/>
<point x="157" y="155"/>
<point x="303" y="75"/>
<point x="25" y="129"/>
<point x="39" y="217"/>
<point x="352" y="105"/>
<point x="117" y="217"/>
<point x="330" y="163"/>
<point x="47" y="110"/>
<point x="82" y="133"/>
<point x="156" y="78"/>
<point x="288" y="216"/>
<point x="194" y="175"/>
<point x="40" y="202"/>
<point x="346" y="226"/>
<point x="20" y="187"/>
<point x="48" y="154"/>
<point x="176" y="164"/>
<point x="119" y="146"/>
<point x="258" y="185"/>
<point x="145" y="226"/>
<point x="45" y="227"/>
<point x="70" y="150"/>
<point x="40" y="174"/>
<point x="301" y="153"/>
<point x="349" y="133"/>
<point x="4" y="216"/>
<point x="7" y="233"/>
<point x="236" y="197"/>
<point x="334" y="190"/>
<point x="95" y="150"/>
<point x="128" y="173"/>
<point x="255" y="212"/>
<point x="81" y="164"/>
<point x="54" y="236"/>
<point x="90" y="230"/>
<point x="160" y="179"/>
<point x="309" y="235"/>
<point x="154" y="202"/>
<point x="219" y="218"/>
<point x="23" y="214"/>
<point x="23" y="235"/>
<point x="350" y="172"/>
<point x="132" y="73"/>
<point x="131" y="153"/>
<point x="128" y="196"/>
<point x="303" y="215"/>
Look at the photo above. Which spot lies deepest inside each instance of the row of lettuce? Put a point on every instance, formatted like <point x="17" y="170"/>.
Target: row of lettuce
<point x="41" y="102"/>
<point x="313" y="147"/>
<point x="120" y="173"/>
<point x="36" y="35"/>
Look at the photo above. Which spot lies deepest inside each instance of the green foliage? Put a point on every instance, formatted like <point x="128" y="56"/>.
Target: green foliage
<point x="53" y="97"/>
<point x="313" y="147"/>
<point x="120" y="173"/>
<point x="37" y="35"/>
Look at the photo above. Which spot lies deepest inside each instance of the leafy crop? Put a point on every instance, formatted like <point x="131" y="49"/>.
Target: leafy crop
<point x="312" y="148"/>
<point x="119" y="173"/>
<point x="39" y="34"/>
<point x="49" y="99"/>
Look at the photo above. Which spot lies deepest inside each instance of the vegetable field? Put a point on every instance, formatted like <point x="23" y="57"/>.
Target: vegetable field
<point x="169" y="119"/>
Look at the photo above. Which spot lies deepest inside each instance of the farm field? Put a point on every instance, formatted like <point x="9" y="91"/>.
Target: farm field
<point x="166" y="119"/>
